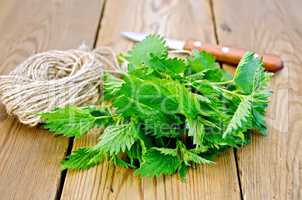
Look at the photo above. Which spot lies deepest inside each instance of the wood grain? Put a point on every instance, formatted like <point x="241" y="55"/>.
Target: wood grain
<point x="271" y="167"/>
<point x="30" y="157"/>
<point x="173" y="18"/>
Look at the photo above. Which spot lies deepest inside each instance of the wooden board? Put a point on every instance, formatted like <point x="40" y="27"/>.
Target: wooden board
<point x="30" y="157"/>
<point x="179" y="19"/>
<point x="271" y="167"/>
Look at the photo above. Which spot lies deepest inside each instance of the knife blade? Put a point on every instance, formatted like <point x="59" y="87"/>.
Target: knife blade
<point x="224" y="54"/>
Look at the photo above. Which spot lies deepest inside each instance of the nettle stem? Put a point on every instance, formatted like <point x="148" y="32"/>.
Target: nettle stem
<point x="222" y="83"/>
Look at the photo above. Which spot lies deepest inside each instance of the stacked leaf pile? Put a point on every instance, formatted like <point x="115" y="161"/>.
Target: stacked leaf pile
<point x="167" y="114"/>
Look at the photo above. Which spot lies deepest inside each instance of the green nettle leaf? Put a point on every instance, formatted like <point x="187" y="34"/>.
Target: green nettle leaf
<point x="69" y="121"/>
<point x="187" y="102"/>
<point x="112" y="85"/>
<point x="143" y="52"/>
<point x="166" y="114"/>
<point x="247" y="72"/>
<point x="260" y="104"/>
<point x="135" y="153"/>
<point x="156" y="163"/>
<point x="142" y="97"/>
<point x="241" y="117"/>
<point x="201" y="61"/>
<point x="190" y="156"/>
<point x="196" y="130"/>
<point x="217" y="141"/>
<point x="167" y="151"/>
<point x="173" y="65"/>
<point x="118" y="138"/>
<point x="83" y="158"/>
<point x="182" y="171"/>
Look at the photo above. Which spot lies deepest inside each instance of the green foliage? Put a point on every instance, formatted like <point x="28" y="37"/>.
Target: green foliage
<point x="111" y="85"/>
<point x="241" y="117"/>
<point x="168" y="65"/>
<point x="189" y="156"/>
<point x="204" y="63"/>
<point x="196" y="130"/>
<point x="182" y="171"/>
<point x="156" y="163"/>
<point x="118" y="138"/>
<point x="143" y="52"/>
<point x="83" y="158"/>
<point x="261" y="100"/>
<point x="72" y="121"/>
<point x="248" y="72"/>
<point x="167" y="114"/>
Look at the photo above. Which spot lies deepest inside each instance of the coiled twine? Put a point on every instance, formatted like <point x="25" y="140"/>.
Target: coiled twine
<point x="55" y="79"/>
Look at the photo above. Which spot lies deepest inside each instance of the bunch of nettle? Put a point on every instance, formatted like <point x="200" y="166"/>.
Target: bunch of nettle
<point x="167" y="114"/>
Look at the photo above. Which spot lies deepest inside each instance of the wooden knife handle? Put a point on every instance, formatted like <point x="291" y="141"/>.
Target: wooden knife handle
<point x="232" y="55"/>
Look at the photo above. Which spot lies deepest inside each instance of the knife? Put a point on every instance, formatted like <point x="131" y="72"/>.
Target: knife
<point x="224" y="54"/>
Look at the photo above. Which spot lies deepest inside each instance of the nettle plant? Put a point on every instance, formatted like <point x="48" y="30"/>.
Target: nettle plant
<point x="167" y="114"/>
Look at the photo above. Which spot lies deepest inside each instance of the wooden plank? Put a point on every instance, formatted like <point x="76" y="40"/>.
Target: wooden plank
<point x="271" y="167"/>
<point x="179" y="19"/>
<point x="30" y="157"/>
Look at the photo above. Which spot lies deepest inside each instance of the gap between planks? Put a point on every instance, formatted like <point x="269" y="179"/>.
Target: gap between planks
<point x="64" y="172"/>
<point x="71" y="140"/>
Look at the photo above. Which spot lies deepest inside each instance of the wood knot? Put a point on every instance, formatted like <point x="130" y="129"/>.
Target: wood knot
<point x="225" y="28"/>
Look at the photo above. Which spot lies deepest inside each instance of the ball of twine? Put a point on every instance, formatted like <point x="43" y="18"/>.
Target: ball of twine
<point x="55" y="79"/>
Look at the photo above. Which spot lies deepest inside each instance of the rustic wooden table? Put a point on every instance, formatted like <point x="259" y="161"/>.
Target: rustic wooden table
<point x="269" y="168"/>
